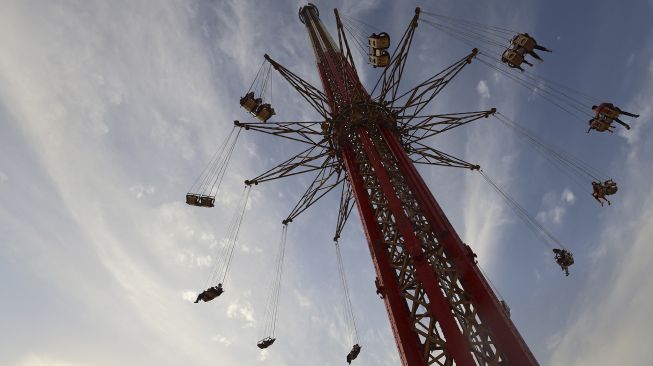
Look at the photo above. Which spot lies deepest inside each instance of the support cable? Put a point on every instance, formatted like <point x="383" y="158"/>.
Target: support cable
<point x="209" y="181"/>
<point x="350" y="317"/>
<point x="225" y="254"/>
<point x="494" y="28"/>
<point x="273" y="297"/>
<point x="580" y="168"/>
<point x="559" y="98"/>
<point x="546" y="237"/>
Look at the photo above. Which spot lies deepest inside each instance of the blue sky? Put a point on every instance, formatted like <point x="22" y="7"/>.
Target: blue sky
<point x="109" y="110"/>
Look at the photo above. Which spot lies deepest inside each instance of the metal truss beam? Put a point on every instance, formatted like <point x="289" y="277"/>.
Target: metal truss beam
<point x="345" y="208"/>
<point x="391" y="77"/>
<point x="342" y="40"/>
<point x="417" y="128"/>
<point x="304" y="162"/>
<point x="325" y="181"/>
<point x="417" y="98"/>
<point x="503" y="340"/>
<point x="311" y="94"/>
<point x="306" y="132"/>
<point x="422" y="154"/>
<point x="386" y="263"/>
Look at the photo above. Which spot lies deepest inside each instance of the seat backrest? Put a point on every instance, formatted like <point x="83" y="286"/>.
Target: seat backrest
<point x="513" y="57"/>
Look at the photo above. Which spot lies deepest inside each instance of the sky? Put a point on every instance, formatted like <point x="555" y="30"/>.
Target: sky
<point x="109" y="110"/>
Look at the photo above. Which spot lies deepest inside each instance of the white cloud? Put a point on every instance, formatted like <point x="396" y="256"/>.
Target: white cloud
<point x="189" y="295"/>
<point x="612" y="320"/>
<point x="221" y="339"/>
<point x="483" y="89"/>
<point x="263" y="355"/>
<point x="568" y="196"/>
<point x="555" y="209"/>
<point x="4" y="178"/>
<point x="237" y="310"/>
<point x="34" y="360"/>
<point x="140" y="190"/>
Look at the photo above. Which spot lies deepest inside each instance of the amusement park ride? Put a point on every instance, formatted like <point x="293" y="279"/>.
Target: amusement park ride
<point x="442" y="310"/>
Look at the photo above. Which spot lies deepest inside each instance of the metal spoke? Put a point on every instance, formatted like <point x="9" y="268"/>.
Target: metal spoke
<point x="392" y="74"/>
<point x="421" y="95"/>
<point x="306" y="132"/>
<point x="346" y="206"/>
<point x="342" y="40"/>
<point x="422" y="154"/>
<point x="304" y="162"/>
<point x="313" y="96"/>
<point x="326" y="180"/>
<point x="423" y="127"/>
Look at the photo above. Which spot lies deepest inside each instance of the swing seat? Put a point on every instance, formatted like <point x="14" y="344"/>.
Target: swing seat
<point x="265" y="342"/>
<point x="512" y="57"/>
<point x="379" y="41"/>
<point x="192" y="199"/>
<point x="248" y="102"/>
<point x="380" y="58"/>
<point x="264" y="112"/>
<point x="610" y="187"/>
<point x="602" y="125"/>
<point x="528" y="43"/>
<point x="207" y="201"/>
<point x="355" y="350"/>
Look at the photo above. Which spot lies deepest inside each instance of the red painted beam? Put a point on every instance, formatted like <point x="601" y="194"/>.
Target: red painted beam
<point x="457" y="344"/>
<point x="491" y="312"/>
<point x="407" y="341"/>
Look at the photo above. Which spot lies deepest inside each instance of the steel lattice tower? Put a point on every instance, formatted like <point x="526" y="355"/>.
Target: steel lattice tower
<point x="441" y="309"/>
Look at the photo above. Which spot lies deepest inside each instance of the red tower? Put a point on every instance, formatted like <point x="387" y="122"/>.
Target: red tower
<point x="441" y="308"/>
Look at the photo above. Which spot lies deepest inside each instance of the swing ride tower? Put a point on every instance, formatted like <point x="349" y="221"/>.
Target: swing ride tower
<point x="440" y="307"/>
<point x="442" y="310"/>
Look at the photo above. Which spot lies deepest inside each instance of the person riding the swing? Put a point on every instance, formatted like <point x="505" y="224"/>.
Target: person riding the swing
<point x="564" y="259"/>
<point x="265" y="342"/>
<point x="528" y="44"/>
<point x="355" y="350"/>
<point x="609" y="112"/>
<point x="599" y="192"/>
<point x="210" y="293"/>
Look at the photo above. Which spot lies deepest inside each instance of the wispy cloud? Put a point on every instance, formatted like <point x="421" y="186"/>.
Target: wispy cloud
<point x="554" y="208"/>
<point x="483" y="90"/>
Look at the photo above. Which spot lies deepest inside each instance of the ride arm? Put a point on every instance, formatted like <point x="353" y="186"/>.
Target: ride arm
<point x="342" y="39"/>
<point x="422" y="154"/>
<point x="313" y="96"/>
<point x="391" y="76"/>
<point x="326" y="180"/>
<point x="306" y="132"/>
<point x="421" y="95"/>
<point x="424" y="127"/>
<point x="304" y="162"/>
<point x="346" y="206"/>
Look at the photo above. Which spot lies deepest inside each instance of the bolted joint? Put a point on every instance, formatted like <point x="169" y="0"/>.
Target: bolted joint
<point x="286" y="221"/>
<point x="491" y="112"/>
<point x="475" y="167"/>
<point x="250" y="182"/>
<point x="271" y="61"/>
